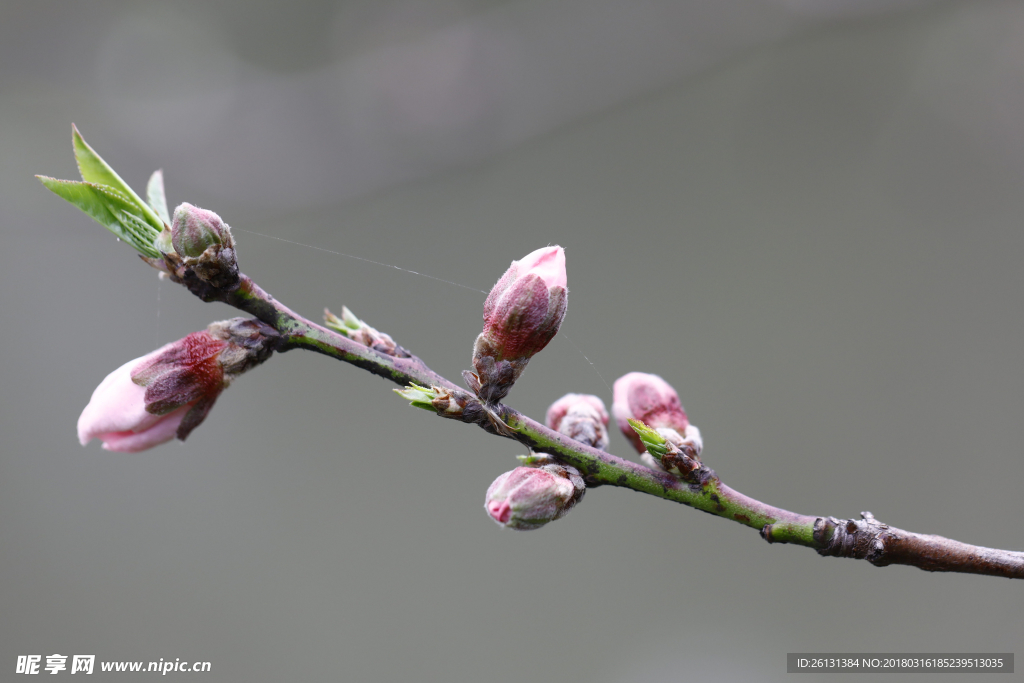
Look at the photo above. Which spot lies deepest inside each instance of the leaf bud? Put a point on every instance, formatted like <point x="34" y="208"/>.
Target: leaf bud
<point x="357" y="330"/>
<point x="650" y="399"/>
<point x="669" y="451"/>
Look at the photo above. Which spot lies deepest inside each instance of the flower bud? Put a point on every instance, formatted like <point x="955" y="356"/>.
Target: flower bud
<point x="521" y="315"/>
<point x="581" y="417"/>
<point x="169" y="392"/>
<point x="204" y="243"/>
<point x="651" y="400"/>
<point x="530" y="497"/>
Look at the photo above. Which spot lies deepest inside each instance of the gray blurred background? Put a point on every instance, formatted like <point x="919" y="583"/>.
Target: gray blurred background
<point x="804" y="214"/>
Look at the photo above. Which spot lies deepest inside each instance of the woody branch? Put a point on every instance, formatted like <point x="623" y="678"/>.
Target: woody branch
<point x="168" y="393"/>
<point x="866" y="538"/>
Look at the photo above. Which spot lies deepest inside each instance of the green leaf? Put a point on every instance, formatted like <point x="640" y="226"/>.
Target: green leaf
<point x="109" y="208"/>
<point x="350" y="318"/>
<point x="346" y="324"/>
<point x="536" y="459"/>
<point x="156" y="197"/>
<point x="418" y="397"/>
<point x="654" y="442"/>
<point x="96" y="171"/>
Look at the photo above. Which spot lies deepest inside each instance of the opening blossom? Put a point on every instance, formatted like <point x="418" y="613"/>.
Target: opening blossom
<point x="169" y="392"/>
<point x="522" y="314"/>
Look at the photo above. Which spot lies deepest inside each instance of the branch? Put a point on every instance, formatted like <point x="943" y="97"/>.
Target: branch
<point x="866" y="538"/>
<point x="522" y="314"/>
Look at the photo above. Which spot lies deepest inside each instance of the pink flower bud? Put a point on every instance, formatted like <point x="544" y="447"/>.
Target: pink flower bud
<point x="525" y="308"/>
<point x="581" y="417"/>
<point x="530" y="497"/>
<point x="521" y="315"/>
<point x="651" y="400"/>
<point x="169" y="392"/>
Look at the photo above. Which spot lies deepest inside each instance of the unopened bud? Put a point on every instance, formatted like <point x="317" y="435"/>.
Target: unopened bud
<point x="204" y="243"/>
<point x="581" y="417"/>
<point x="522" y="314"/>
<point x="650" y="399"/>
<point x="530" y="497"/>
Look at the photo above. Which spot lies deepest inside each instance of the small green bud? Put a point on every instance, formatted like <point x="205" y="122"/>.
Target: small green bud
<point x="655" y="443"/>
<point x="444" y="402"/>
<point x="204" y="243"/>
<point x="670" y="451"/>
<point x="357" y="330"/>
<point x="536" y="459"/>
<point x="419" y="397"/>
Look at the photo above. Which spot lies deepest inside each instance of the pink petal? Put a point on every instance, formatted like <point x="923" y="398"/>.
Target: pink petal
<point x="117" y="404"/>
<point x="500" y="511"/>
<point x="548" y="263"/>
<point x="132" y="442"/>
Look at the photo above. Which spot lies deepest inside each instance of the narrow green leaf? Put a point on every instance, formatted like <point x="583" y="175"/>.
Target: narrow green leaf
<point x="652" y="440"/>
<point x="156" y="197"/>
<point x="335" y="323"/>
<point x="536" y="459"/>
<point x="350" y="318"/>
<point x="418" y="397"/>
<point x="109" y="208"/>
<point x="95" y="170"/>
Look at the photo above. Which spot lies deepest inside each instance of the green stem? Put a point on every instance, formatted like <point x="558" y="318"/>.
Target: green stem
<point x="708" y="493"/>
